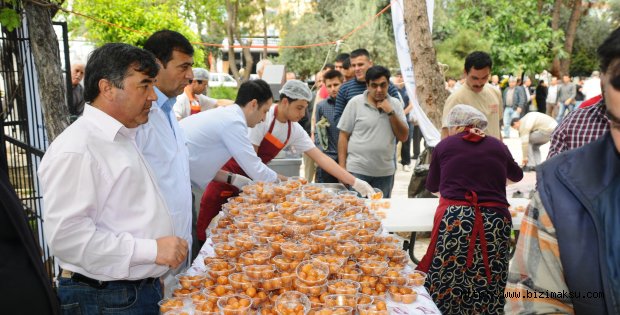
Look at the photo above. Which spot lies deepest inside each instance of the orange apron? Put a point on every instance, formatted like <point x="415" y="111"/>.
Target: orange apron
<point x="471" y="200"/>
<point x="217" y="193"/>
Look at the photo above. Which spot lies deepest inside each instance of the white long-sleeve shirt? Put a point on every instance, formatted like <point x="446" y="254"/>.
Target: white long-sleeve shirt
<point x="534" y="121"/>
<point x="102" y="207"/>
<point x="162" y="144"/>
<point x="213" y="137"/>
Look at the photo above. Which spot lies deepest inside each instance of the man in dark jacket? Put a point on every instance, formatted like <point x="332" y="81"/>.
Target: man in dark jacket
<point x="25" y="287"/>
<point x="567" y="260"/>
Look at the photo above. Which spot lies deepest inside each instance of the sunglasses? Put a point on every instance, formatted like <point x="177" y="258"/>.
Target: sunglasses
<point x="199" y="81"/>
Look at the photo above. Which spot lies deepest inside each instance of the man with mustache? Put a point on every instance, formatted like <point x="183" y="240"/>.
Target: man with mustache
<point x="370" y="126"/>
<point x="115" y="238"/>
<point x="477" y="93"/>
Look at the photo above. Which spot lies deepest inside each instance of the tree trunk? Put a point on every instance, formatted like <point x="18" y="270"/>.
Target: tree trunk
<point x="555" y="25"/>
<point x="231" y="23"/>
<point x="263" y="10"/>
<point x="571" y="31"/>
<point x="430" y="83"/>
<point x="539" y="6"/>
<point x="44" y="44"/>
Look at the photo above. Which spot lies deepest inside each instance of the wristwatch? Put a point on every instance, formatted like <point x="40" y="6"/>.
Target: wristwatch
<point x="391" y="113"/>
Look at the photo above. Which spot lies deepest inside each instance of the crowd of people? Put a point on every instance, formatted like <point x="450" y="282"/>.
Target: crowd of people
<point x="117" y="183"/>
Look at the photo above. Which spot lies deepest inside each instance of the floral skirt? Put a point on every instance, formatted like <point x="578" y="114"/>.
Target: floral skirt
<point x="457" y="289"/>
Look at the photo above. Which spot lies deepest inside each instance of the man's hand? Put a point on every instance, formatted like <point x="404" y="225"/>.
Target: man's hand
<point x="385" y="106"/>
<point x="171" y="251"/>
<point x="240" y="181"/>
<point x="363" y="187"/>
<point x="524" y="162"/>
<point x="519" y="110"/>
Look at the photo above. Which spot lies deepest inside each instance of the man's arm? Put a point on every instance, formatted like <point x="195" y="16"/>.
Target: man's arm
<point x="341" y="103"/>
<point x="536" y="267"/>
<point x="343" y="145"/>
<point x="240" y="147"/>
<point x="399" y="127"/>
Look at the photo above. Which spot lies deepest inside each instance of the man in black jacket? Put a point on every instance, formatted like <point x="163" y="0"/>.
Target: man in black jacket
<point x="24" y="286"/>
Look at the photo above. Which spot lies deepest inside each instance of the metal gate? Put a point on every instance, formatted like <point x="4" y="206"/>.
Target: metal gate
<point x="23" y="139"/>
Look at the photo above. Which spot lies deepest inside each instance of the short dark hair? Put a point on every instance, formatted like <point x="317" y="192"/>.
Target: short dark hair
<point x="342" y="57"/>
<point x="376" y="72"/>
<point x="609" y="55"/>
<point x="331" y="74"/>
<point x="329" y="66"/>
<point x="253" y="89"/>
<point x="112" y="62"/>
<point x="346" y="64"/>
<point x="163" y="43"/>
<point x="360" y="52"/>
<point x="478" y="60"/>
<point x="514" y="121"/>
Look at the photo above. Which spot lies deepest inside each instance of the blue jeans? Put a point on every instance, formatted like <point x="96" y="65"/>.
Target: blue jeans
<point x="385" y="183"/>
<point x="324" y="177"/>
<point x="116" y="298"/>
<point x="509" y="114"/>
<point x="564" y="108"/>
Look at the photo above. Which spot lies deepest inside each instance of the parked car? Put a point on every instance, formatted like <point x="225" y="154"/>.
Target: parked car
<point x="221" y="79"/>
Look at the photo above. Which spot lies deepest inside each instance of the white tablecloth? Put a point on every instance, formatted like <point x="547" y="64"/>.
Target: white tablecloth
<point x="416" y="214"/>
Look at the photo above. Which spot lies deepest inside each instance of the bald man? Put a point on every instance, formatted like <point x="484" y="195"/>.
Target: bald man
<point x="77" y="74"/>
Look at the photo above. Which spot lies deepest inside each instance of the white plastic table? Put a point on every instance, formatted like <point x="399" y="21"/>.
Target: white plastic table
<point x="416" y="215"/>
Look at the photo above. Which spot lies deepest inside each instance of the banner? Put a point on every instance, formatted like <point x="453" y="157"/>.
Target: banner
<point x="430" y="133"/>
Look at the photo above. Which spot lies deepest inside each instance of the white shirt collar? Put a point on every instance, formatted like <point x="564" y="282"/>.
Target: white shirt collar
<point x="108" y="124"/>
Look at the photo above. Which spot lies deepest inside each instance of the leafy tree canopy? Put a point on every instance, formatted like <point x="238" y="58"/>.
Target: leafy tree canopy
<point x="145" y="16"/>
<point x="333" y="20"/>
<point x="519" y="38"/>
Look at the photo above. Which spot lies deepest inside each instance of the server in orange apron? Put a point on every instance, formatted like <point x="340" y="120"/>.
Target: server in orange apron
<point x="269" y="137"/>
<point x="193" y="100"/>
<point x="467" y="259"/>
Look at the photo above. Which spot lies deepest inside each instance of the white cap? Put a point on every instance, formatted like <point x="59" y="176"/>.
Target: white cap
<point x="465" y="115"/>
<point x="200" y="74"/>
<point x="297" y="90"/>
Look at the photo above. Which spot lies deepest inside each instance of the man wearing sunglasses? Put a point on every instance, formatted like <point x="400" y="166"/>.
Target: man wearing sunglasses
<point x="567" y="257"/>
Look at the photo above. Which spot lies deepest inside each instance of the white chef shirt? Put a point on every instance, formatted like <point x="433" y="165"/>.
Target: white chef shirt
<point x="102" y="209"/>
<point x="299" y="138"/>
<point x="213" y="137"/>
<point x="162" y="144"/>
<point x="183" y="109"/>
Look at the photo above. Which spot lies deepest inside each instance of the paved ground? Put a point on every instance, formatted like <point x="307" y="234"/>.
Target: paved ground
<point x="401" y="183"/>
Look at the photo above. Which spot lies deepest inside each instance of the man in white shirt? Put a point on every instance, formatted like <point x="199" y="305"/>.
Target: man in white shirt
<point x="194" y="100"/>
<point x="592" y="86"/>
<point x="552" y="97"/>
<point x="160" y="139"/>
<point x="217" y="136"/>
<point x="278" y="130"/>
<point x="116" y="238"/>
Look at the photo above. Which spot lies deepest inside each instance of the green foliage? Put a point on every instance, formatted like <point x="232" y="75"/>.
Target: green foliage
<point x="140" y="17"/>
<point x="9" y="19"/>
<point x="591" y="33"/>
<point x="520" y="38"/>
<point x="223" y="92"/>
<point x="328" y="24"/>
<point x="454" y="49"/>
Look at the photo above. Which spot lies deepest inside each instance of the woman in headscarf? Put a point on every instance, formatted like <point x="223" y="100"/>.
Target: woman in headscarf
<point x="467" y="260"/>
